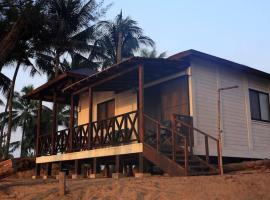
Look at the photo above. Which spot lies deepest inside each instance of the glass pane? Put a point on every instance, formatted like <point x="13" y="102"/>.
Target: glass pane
<point x="254" y="105"/>
<point x="264" y="104"/>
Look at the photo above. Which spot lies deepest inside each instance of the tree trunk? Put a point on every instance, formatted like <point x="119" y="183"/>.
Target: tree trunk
<point x="4" y="123"/>
<point x="23" y="133"/>
<point x="10" y="105"/>
<point x="119" y="48"/>
<point x="56" y="64"/>
<point x="8" y="43"/>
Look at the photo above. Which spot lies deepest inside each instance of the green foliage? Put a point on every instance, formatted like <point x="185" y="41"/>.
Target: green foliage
<point x="151" y="54"/>
<point x="132" y="38"/>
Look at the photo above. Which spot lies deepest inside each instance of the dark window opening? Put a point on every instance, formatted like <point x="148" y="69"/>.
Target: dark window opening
<point x="259" y="105"/>
<point x="105" y="110"/>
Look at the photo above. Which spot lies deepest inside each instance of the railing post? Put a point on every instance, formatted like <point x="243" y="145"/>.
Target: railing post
<point x="158" y="137"/>
<point x="54" y="123"/>
<point x="219" y="152"/>
<point x="206" y="148"/>
<point x="90" y="115"/>
<point x="38" y="127"/>
<point x="173" y="137"/>
<point x="186" y="157"/>
<point x="141" y="102"/>
<point x="71" y="123"/>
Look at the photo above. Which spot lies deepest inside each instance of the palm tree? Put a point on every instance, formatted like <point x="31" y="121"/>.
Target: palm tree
<point x="20" y="20"/>
<point x="21" y="56"/>
<point x="151" y="54"/>
<point x="69" y="33"/>
<point x="120" y="39"/>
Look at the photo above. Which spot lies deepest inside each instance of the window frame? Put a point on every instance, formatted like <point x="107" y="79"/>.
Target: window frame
<point x="106" y="110"/>
<point x="258" y="92"/>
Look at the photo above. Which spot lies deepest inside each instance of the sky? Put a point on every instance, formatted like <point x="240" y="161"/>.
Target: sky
<point x="235" y="30"/>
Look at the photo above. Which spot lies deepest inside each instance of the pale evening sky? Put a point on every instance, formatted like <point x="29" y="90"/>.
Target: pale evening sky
<point x="235" y="30"/>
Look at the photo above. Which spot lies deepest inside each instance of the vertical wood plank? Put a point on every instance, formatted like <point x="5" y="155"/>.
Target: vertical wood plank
<point x="54" y="123"/>
<point x="38" y="127"/>
<point x="141" y="164"/>
<point x="62" y="183"/>
<point x="158" y="136"/>
<point x="117" y="164"/>
<point x="90" y="116"/>
<point x="141" y="102"/>
<point x="94" y="165"/>
<point x="173" y="137"/>
<point x="76" y="167"/>
<point x="186" y="157"/>
<point x="71" y="123"/>
<point x="37" y="170"/>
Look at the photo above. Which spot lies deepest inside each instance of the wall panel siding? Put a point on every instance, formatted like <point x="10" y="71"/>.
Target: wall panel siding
<point x="260" y="130"/>
<point x="124" y="102"/>
<point x="241" y="136"/>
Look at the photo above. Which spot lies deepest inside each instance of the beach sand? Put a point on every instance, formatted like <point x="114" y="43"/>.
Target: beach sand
<point x="252" y="186"/>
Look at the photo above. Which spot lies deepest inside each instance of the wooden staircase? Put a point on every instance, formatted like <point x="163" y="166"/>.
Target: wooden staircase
<point x="171" y="148"/>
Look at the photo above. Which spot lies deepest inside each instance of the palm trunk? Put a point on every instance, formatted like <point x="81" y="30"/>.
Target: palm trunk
<point x="23" y="133"/>
<point x="8" y="43"/>
<point x="4" y="123"/>
<point x="10" y="105"/>
<point x="56" y="64"/>
<point x="119" y="48"/>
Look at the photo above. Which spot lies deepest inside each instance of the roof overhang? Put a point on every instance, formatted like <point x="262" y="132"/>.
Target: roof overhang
<point x="193" y="53"/>
<point x="46" y="91"/>
<point x="124" y="75"/>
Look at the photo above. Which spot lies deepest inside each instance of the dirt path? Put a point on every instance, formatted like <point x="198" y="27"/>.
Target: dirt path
<point x="241" y="187"/>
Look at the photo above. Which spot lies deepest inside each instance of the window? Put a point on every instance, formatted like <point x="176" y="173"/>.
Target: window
<point x="259" y="105"/>
<point x="105" y="110"/>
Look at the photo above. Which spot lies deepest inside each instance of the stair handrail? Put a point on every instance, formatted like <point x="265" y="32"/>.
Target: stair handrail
<point x="206" y="136"/>
<point x="160" y="126"/>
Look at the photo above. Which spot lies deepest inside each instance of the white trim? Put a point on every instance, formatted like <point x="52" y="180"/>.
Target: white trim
<point x="109" y="151"/>
<point x="247" y="111"/>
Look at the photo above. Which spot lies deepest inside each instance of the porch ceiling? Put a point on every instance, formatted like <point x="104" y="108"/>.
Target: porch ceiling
<point x="124" y="75"/>
<point x="45" y="92"/>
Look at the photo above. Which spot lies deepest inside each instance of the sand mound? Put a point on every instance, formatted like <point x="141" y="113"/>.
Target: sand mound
<point x="239" y="186"/>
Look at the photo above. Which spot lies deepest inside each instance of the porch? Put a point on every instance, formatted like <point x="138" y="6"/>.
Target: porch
<point x="158" y="131"/>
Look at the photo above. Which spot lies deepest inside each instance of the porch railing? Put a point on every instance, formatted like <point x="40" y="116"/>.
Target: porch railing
<point x="114" y="131"/>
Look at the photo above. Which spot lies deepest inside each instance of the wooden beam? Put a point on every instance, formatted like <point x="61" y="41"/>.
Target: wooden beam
<point x="141" y="102"/>
<point x="141" y="163"/>
<point x="71" y="123"/>
<point x="105" y="80"/>
<point x="38" y="126"/>
<point x="37" y="170"/>
<point x="48" y="171"/>
<point x="54" y="123"/>
<point x="117" y="164"/>
<point x="94" y="165"/>
<point x="77" y="167"/>
<point x="90" y="116"/>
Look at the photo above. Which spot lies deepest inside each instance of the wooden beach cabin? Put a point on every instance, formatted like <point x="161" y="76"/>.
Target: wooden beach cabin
<point x="149" y="115"/>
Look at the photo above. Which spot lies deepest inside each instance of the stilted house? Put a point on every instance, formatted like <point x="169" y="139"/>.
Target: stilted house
<point x="178" y="116"/>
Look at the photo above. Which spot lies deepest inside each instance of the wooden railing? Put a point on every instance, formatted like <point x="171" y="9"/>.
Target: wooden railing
<point x="158" y="135"/>
<point x="44" y="144"/>
<point x="180" y="125"/>
<point x="117" y="130"/>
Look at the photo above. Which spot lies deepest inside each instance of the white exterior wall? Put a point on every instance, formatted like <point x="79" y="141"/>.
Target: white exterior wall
<point x="241" y="136"/>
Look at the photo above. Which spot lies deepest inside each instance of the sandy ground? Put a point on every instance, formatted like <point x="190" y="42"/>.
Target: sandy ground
<point x="252" y="186"/>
